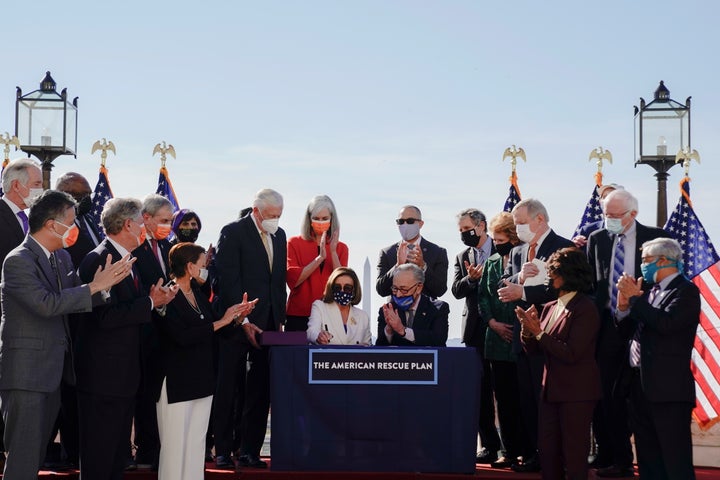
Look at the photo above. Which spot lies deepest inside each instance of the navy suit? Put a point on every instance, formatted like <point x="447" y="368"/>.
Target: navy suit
<point x="243" y="266"/>
<point x="430" y="325"/>
<point x="662" y="390"/>
<point x="108" y="369"/>
<point x="611" y="426"/>
<point x="147" y="437"/>
<point x="435" y="258"/>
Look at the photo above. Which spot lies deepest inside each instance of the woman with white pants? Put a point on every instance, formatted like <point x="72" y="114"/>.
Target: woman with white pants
<point x="186" y="342"/>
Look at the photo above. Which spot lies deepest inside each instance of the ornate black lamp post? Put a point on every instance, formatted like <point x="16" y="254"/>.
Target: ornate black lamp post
<point x="46" y="124"/>
<point x="662" y="129"/>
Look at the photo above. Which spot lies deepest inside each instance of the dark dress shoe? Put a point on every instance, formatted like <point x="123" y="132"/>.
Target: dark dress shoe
<point x="600" y="462"/>
<point x="486" y="457"/>
<point x="224" y="463"/>
<point x="252" y="461"/>
<point x="615" y="471"/>
<point x="503" y="462"/>
<point x="532" y="465"/>
<point x="131" y="465"/>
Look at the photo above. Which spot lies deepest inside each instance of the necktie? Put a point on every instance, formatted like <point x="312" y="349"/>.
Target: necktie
<point x="265" y="240"/>
<point x="156" y="251"/>
<point x="618" y="268"/>
<point x="410" y="318"/>
<point x="53" y="265"/>
<point x="531" y="252"/>
<point x="635" y="344"/>
<point x="24" y="219"/>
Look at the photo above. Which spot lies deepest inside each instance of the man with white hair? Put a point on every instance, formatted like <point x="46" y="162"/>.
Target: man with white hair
<point x="660" y="324"/>
<point x="251" y="257"/>
<point x="612" y="251"/>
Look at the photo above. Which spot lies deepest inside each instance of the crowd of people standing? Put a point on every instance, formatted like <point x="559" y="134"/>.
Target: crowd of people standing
<point x="131" y="323"/>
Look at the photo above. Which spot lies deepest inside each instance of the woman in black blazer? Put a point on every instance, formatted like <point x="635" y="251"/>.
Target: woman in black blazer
<point x="186" y="342"/>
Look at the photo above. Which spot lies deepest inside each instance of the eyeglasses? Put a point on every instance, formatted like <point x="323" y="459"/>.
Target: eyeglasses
<point x="403" y="290"/>
<point x="347" y="288"/>
<point x="409" y="221"/>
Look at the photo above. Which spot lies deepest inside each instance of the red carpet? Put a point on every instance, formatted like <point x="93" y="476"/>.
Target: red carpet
<point x="702" y="473"/>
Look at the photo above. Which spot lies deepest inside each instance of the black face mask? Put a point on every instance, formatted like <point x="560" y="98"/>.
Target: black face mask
<point x="84" y="205"/>
<point x="503" y="248"/>
<point x="469" y="238"/>
<point x="188" y="234"/>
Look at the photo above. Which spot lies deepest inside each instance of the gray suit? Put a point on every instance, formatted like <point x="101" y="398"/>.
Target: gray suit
<point x="35" y="345"/>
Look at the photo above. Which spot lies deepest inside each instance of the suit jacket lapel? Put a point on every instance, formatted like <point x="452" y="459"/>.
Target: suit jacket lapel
<point x="44" y="263"/>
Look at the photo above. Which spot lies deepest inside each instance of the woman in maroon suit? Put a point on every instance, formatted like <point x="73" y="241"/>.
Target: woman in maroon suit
<point x="566" y="334"/>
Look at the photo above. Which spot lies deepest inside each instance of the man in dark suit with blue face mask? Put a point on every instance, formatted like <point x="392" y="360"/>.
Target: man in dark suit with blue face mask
<point x="659" y="325"/>
<point x="412" y="318"/>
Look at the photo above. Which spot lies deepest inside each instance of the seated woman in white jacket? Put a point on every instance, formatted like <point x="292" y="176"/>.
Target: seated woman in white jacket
<point x="335" y="319"/>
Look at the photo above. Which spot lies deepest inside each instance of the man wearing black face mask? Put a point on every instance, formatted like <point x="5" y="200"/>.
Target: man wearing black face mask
<point x="78" y="187"/>
<point x="468" y="270"/>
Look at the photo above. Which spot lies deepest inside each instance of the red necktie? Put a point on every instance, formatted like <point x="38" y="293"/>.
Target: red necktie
<point x="531" y="252"/>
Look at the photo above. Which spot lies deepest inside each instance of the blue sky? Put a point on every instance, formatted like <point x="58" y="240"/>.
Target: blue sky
<point x="375" y="103"/>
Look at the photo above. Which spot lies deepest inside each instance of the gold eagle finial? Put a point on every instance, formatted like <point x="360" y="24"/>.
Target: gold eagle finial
<point x="600" y="154"/>
<point x="103" y="145"/>
<point x="514" y="152"/>
<point x="163" y="149"/>
<point x="686" y="155"/>
<point x="8" y="140"/>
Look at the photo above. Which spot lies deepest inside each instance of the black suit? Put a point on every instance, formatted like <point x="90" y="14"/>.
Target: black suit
<point x="186" y="347"/>
<point x="147" y="437"/>
<point x="662" y="390"/>
<point x="242" y="266"/>
<point x="108" y="369"/>
<point x="474" y="336"/>
<point x="430" y="325"/>
<point x="530" y="366"/>
<point x="435" y="258"/>
<point x="610" y="423"/>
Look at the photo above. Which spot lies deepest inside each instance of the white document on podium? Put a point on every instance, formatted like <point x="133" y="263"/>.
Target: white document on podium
<point x="540" y="278"/>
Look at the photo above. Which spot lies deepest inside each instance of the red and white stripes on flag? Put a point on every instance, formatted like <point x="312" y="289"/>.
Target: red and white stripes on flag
<point x="702" y="267"/>
<point x="706" y="354"/>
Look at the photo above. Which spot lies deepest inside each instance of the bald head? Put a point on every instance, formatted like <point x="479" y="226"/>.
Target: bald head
<point x="74" y="184"/>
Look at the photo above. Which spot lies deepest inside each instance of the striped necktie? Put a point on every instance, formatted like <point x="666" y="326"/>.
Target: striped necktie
<point x="618" y="268"/>
<point x="635" y="343"/>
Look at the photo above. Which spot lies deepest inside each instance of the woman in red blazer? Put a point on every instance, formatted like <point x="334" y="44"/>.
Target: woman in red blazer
<point x="311" y="258"/>
<point x="566" y="334"/>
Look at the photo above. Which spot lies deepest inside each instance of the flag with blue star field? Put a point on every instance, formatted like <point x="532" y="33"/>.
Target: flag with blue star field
<point x="701" y="267"/>
<point x="592" y="213"/>
<point x="513" y="194"/>
<point x="165" y="188"/>
<point x="101" y="194"/>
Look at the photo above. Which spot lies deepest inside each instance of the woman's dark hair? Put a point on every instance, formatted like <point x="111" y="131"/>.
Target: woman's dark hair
<point x="339" y="272"/>
<point x="182" y="215"/>
<point x="572" y="266"/>
<point x="182" y="254"/>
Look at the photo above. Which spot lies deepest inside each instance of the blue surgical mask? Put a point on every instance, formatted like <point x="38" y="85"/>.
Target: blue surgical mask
<point x="649" y="270"/>
<point x="614" y="225"/>
<point x="403" y="303"/>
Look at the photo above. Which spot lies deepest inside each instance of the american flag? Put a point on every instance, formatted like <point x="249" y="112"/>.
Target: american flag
<point x="4" y="164"/>
<point x="513" y="194"/>
<point x="102" y="194"/>
<point x="165" y="188"/>
<point x="701" y="267"/>
<point x="592" y="213"/>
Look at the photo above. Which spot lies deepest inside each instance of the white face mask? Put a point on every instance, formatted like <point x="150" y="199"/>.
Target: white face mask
<point x="271" y="225"/>
<point x="524" y="233"/>
<point x="408" y="232"/>
<point x="203" y="275"/>
<point x="614" y="225"/>
<point x="33" y="193"/>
